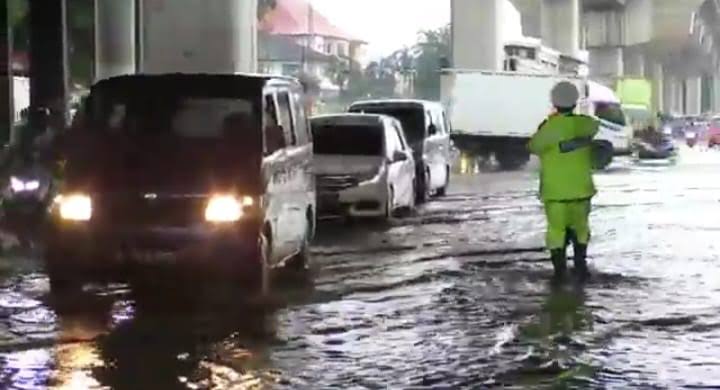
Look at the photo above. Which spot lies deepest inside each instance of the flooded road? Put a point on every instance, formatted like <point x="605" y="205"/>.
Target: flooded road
<point x="456" y="296"/>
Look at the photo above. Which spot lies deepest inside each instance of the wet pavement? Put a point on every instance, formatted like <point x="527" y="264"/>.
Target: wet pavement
<point x="456" y="296"/>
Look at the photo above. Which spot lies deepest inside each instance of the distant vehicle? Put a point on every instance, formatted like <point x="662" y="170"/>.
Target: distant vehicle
<point x="427" y="130"/>
<point x="181" y="167"/>
<point x="654" y="145"/>
<point x="496" y="113"/>
<point x="364" y="166"/>
<point x="714" y="132"/>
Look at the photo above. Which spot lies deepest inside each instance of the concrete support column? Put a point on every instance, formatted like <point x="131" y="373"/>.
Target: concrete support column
<point x="7" y="112"/>
<point x="48" y="58"/>
<point x="477" y="34"/>
<point x="560" y="25"/>
<point x="218" y="36"/>
<point x="606" y="62"/>
<point x="693" y="95"/>
<point x="634" y="64"/>
<point x="115" y="26"/>
<point x="658" y="78"/>
<point x="716" y="93"/>
<point x="674" y="95"/>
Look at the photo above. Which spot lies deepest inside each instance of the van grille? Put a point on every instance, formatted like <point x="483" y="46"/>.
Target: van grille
<point x="334" y="183"/>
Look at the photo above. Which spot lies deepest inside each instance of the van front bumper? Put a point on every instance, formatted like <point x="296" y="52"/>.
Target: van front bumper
<point x="363" y="201"/>
<point x="94" y="247"/>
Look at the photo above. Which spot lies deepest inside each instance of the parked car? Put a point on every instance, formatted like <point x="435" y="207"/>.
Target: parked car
<point x="363" y="166"/>
<point x="184" y="167"/>
<point x="427" y="129"/>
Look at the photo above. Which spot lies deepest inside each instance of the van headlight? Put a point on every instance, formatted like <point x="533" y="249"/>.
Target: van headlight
<point x="227" y="208"/>
<point x="76" y="207"/>
<point x="19" y="185"/>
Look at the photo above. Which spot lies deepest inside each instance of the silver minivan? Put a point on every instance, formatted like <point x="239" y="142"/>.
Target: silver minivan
<point x="427" y="129"/>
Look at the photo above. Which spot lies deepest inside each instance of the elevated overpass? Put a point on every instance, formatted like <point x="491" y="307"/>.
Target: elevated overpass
<point x="675" y="43"/>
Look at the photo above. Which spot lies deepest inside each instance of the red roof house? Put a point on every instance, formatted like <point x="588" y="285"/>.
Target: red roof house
<point x="299" y="18"/>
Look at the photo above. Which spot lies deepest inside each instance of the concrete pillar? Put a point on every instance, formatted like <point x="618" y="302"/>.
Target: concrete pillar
<point x="48" y="58"/>
<point x="560" y="25"/>
<point x="114" y="38"/>
<point x="218" y="36"/>
<point x="7" y="112"/>
<point x="606" y="62"/>
<point x="693" y="95"/>
<point x="658" y="77"/>
<point x="674" y="98"/>
<point x="477" y="34"/>
<point x="634" y="64"/>
<point x="716" y="93"/>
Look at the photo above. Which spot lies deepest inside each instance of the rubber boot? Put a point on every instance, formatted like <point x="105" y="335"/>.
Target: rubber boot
<point x="559" y="261"/>
<point x="580" y="260"/>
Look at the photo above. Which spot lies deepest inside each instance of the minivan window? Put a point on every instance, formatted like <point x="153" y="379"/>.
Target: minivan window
<point x="611" y="112"/>
<point x="274" y="138"/>
<point x="178" y="116"/>
<point x="412" y="119"/>
<point x="286" y="117"/>
<point x="351" y="140"/>
<point x="302" y="128"/>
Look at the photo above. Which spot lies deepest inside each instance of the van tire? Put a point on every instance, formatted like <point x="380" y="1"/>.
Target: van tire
<point x="423" y="188"/>
<point x="602" y="154"/>
<point x="263" y="274"/>
<point x="442" y="191"/>
<point x="302" y="260"/>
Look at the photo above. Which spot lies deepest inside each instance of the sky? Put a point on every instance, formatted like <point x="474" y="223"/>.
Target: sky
<point x="387" y="25"/>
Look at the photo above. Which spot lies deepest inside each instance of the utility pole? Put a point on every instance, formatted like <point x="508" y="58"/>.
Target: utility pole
<point x="7" y="97"/>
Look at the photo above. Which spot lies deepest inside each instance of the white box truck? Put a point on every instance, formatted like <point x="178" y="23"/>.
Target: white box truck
<point x="496" y="113"/>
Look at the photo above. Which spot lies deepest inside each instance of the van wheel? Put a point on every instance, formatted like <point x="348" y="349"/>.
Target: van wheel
<point x="602" y="155"/>
<point x="60" y="277"/>
<point x="389" y="204"/>
<point x="302" y="261"/>
<point x="263" y="273"/>
<point x="442" y="191"/>
<point x="423" y="189"/>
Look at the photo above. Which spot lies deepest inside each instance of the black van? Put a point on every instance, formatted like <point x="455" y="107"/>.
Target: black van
<point x="208" y="170"/>
<point x="427" y="130"/>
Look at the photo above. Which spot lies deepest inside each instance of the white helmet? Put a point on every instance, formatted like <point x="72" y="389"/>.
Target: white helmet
<point x="565" y="95"/>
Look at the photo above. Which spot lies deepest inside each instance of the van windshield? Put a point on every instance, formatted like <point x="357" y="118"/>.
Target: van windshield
<point x="611" y="112"/>
<point x="412" y="119"/>
<point x="179" y="117"/>
<point x="350" y="140"/>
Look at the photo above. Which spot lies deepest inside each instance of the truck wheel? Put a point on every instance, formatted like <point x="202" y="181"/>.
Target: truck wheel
<point x="512" y="160"/>
<point x="602" y="155"/>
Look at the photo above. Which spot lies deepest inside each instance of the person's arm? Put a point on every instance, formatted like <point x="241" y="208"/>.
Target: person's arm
<point x="542" y="140"/>
<point x="584" y="136"/>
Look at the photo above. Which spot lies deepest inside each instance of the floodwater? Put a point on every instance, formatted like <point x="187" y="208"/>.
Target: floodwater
<point x="456" y="296"/>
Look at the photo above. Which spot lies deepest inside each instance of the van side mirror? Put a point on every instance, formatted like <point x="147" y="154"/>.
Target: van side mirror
<point x="399" y="156"/>
<point x="432" y="129"/>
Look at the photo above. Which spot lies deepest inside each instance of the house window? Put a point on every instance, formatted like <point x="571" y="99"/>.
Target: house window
<point x="328" y="48"/>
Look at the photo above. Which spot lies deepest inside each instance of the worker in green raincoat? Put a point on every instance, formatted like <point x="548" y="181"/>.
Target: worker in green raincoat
<point x="563" y="142"/>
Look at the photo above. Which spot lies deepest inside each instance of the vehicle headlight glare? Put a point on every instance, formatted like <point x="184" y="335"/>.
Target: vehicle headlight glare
<point x="224" y="208"/>
<point x="75" y="207"/>
<point x="19" y="185"/>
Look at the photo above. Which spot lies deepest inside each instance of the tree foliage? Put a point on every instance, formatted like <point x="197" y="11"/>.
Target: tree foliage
<point x="431" y="55"/>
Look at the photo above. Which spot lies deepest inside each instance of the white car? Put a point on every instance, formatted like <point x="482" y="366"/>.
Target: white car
<point x="363" y="166"/>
